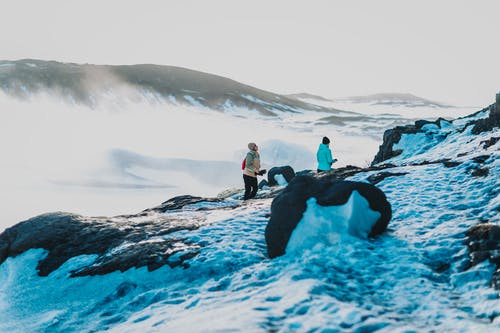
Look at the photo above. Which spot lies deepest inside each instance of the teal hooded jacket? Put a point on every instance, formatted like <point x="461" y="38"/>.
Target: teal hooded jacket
<point x="324" y="156"/>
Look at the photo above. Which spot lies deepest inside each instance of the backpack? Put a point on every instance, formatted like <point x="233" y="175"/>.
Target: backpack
<point x="244" y="163"/>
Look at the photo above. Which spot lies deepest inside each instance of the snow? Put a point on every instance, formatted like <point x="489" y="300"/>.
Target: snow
<point x="193" y="101"/>
<point x="280" y="179"/>
<point x="332" y="277"/>
<point x="330" y="225"/>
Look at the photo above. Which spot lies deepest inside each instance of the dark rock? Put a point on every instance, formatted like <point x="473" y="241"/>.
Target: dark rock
<point x="492" y="121"/>
<point x="481" y="159"/>
<point x="391" y="137"/>
<point x="288" y="207"/>
<point x="442" y="268"/>
<point x="263" y="183"/>
<point x="425" y="163"/>
<point x="66" y="235"/>
<point x="491" y="142"/>
<point x="483" y="242"/>
<point x="342" y="173"/>
<point x="179" y="202"/>
<point x="482" y="232"/>
<point x="287" y="172"/>
<point x="305" y="173"/>
<point x="480" y="172"/>
<point x="438" y="266"/>
<point x="495" y="280"/>
<point x="451" y="164"/>
<point x="421" y="123"/>
<point x="377" y="178"/>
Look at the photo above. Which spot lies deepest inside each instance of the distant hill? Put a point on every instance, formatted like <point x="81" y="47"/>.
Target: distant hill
<point x="88" y="84"/>
<point x="402" y="99"/>
<point x="394" y="99"/>
<point x="302" y="96"/>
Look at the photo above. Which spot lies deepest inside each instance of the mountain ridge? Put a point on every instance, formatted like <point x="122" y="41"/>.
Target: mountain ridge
<point x="394" y="98"/>
<point x="87" y="83"/>
<point x="391" y="98"/>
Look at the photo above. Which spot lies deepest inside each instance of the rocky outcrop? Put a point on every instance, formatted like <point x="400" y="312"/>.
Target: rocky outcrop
<point x="483" y="241"/>
<point x="289" y="206"/>
<point x="392" y="136"/>
<point x="286" y="171"/>
<point x="492" y="121"/>
<point x="179" y="202"/>
<point x="120" y="242"/>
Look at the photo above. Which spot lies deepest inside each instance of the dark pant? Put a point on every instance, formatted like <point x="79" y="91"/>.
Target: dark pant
<point x="250" y="187"/>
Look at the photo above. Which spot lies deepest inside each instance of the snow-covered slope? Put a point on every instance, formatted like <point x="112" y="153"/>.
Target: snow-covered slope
<point x="212" y="272"/>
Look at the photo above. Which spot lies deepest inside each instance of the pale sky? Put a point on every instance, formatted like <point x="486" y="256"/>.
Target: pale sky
<point x="445" y="50"/>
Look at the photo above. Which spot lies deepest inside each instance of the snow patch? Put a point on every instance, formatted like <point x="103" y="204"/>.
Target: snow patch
<point x="329" y="225"/>
<point x="280" y="179"/>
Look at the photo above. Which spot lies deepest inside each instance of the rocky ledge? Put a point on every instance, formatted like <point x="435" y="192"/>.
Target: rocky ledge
<point x="393" y="136"/>
<point x="120" y="242"/>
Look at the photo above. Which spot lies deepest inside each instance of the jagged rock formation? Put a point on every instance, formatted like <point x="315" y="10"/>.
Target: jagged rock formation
<point x="289" y="206"/>
<point x="493" y="120"/>
<point x="480" y="125"/>
<point x="392" y="136"/>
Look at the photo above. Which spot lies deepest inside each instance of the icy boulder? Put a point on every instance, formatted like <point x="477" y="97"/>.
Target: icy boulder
<point x="286" y="172"/>
<point x="311" y="210"/>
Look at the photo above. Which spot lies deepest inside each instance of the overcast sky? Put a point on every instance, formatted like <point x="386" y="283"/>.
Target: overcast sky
<point x="446" y="50"/>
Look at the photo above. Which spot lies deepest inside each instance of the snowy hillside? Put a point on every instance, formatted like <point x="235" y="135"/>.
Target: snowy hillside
<point x="198" y="264"/>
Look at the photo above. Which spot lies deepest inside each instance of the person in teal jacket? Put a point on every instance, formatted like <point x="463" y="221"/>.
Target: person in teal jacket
<point x="324" y="156"/>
